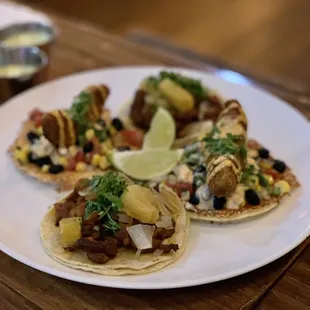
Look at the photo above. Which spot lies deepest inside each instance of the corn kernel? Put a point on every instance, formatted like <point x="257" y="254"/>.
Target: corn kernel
<point x="62" y="161"/>
<point x="104" y="163"/>
<point x="89" y="134"/>
<point x="252" y="153"/>
<point x="265" y="164"/>
<point x="26" y="148"/>
<point x="73" y="150"/>
<point x="39" y="131"/>
<point x="106" y="146"/>
<point x="283" y="186"/>
<point x="112" y="130"/>
<point x="95" y="160"/>
<point x="269" y="178"/>
<point x="45" y="168"/>
<point x="81" y="166"/>
<point x="22" y="155"/>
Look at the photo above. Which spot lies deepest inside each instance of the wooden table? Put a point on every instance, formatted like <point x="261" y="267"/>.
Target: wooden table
<point x="284" y="282"/>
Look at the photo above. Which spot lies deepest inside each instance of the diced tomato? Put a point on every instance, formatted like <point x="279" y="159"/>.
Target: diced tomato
<point x="181" y="187"/>
<point x="71" y="164"/>
<point x="133" y="137"/>
<point x="253" y="145"/>
<point x="79" y="156"/>
<point x="38" y="120"/>
<point x="35" y="113"/>
<point x="272" y="172"/>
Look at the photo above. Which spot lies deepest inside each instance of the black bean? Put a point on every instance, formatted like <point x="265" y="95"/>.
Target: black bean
<point x="200" y="169"/>
<point x="117" y="124"/>
<point x="199" y="179"/>
<point x="194" y="199"/>
<point x="279" y="166"/>
<point x="219" y="203"/>
<point x="32" y="137"/>
<point x="88" y="147"/>
<point x="54" y="169"/>
<point x="252" y="198"/>
<point x="123" y="148"/>
<point x="39" y="161"/>
<point x="263" y="153"/>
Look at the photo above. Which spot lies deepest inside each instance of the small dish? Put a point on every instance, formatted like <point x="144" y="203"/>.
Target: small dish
<point x="20" y="69"/>
<point x="28" y="34"/>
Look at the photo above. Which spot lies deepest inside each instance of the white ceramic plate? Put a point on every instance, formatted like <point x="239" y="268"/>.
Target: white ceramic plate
<point x="214" y="252"/>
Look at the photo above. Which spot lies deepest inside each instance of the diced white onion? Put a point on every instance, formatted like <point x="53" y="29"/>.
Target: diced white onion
<point x="164" y="222"/>
<point x="141" y="235"/>
<point x="124" y="218"/>
<point x="63" y="151"/>
<point x="85" y="191"/>
<point x="162" y="206"/>
<point x="158" y="252"/>
<point x="42" y="147"/>
<point x="138" y="253"/>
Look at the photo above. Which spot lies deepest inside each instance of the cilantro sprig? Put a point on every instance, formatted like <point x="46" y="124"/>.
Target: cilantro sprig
<point x="78" y="112"/>
<point x="225" y="146"/>
<point x="249" y="171"/>
<point x="80" y="107"/>
<point x="107" y="189"/>
<point x="193" y="86"/>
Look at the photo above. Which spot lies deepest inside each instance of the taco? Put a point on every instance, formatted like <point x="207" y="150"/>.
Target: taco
<point x="187" y="99"/>
<point x="111" y="226"/>
<point x="61" y="146"/>
<point x="225" y="177"/>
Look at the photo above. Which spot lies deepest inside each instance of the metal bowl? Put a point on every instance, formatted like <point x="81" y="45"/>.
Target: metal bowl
<point x="24" y="27"/>
<point x="33" y="56"/>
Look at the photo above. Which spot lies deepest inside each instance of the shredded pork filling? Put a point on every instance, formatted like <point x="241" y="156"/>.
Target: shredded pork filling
<point x="100" y="245"/>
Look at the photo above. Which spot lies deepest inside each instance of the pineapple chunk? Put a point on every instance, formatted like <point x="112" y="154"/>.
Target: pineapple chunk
<point x="138" y="202"/>
<point x="70" y="230"/>
<point x="180" y="98"/>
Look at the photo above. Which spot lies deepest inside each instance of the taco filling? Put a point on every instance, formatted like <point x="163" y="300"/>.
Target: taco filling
<point x="54" y="144"/>
<point x="187" y="99"/>
<point x="225" y="177"/>
<point x="108" y="217"/>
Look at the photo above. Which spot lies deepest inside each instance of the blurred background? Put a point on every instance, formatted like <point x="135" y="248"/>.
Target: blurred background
<point x="265" y="36"/>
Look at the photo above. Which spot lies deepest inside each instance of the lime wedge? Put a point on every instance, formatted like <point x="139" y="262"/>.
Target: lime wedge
<point x="146" y="164"/>
<point x="162" y="131"/>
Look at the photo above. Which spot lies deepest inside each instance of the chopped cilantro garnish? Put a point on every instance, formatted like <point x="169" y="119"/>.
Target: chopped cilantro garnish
<point x="243" y="151"/>
<point x="250" y="171"/>
<point x="108" y="189"/>
<point x="78" y="113"/>
<point x="80" y="107"/>
<point x="193" y="86"/>
<point x="247" y="172"/>
<point x="101" y="134"/>
<point x="262" y="180"/>
<point x="276" y="191"/>
<point x="225" y="146"/>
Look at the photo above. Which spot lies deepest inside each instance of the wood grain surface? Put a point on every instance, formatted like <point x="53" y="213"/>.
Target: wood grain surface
<point x="266" y="36"/>
<point x="82" y="47"/>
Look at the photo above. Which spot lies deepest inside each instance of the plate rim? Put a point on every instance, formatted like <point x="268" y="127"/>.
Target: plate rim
<point x="151" y="67"/>
<point x="146" y="286"/>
